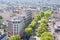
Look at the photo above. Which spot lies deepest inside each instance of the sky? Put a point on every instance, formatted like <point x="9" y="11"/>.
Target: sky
<point x="30" y="1"/>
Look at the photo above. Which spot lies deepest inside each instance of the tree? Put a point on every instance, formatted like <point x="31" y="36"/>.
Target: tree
<point x="29" y="31"/>
<point x="36" y="16"/>
<point x="44" y="17"/>
<point x="35" y="20"/>
<point x="39" y="16"/>
<point x="11" y="38"/>
<point x="1" y="17"/>
<point x="47" y="13"/>
<point x="33" y="24"/>
<point x="15" y="37"/>
<point x="43" y="25"/>
<point x="42" y="14"/>
<point x="44" y="21"/>
<point x="1" y="24"/>
<point x="46" y="36"/>
<point x="5" y="28"/>
<point x="40" y="31"/>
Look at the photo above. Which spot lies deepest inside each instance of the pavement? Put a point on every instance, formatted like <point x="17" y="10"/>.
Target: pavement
<point x="51" y="26"/>
<point x="58" y="37"/>
<point x="57" y="33"/>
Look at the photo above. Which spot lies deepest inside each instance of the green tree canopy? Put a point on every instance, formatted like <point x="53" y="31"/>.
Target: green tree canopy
<point x="46" y="36"/>
<point x="33" y="24"/>
<point x="38" y="16"/>
<point x="1" y="17"/>
<point x="43" y="25"/>
<point x="44" y="21"/>
<point x="40" y="31"/>
<point x="47" y="13"/>
<point x="44" y="17"/>
<point x="29" y="31"/>
<point x="42" y="14"/>
<point x="16" y="37"/>
<point x="5" y="28"/>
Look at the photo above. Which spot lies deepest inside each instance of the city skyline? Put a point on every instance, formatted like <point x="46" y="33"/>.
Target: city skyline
<point x="29" y="19"/>
<point x="29" y="1"/>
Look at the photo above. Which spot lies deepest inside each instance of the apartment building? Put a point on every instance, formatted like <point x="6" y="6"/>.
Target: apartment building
<point x="15" y="25"/>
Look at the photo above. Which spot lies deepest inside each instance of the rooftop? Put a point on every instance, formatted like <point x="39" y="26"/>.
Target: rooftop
<point x="16" y="19"/>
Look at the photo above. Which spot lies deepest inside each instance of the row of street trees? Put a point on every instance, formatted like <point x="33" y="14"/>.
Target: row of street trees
<point x="43" y="27"/>
<point x="15" y="37"/>
<point x="46" y="36"/>
<point x="30" y="29"/>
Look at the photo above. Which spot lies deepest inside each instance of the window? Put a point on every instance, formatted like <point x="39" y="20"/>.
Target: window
<point x="15" y="32"/>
